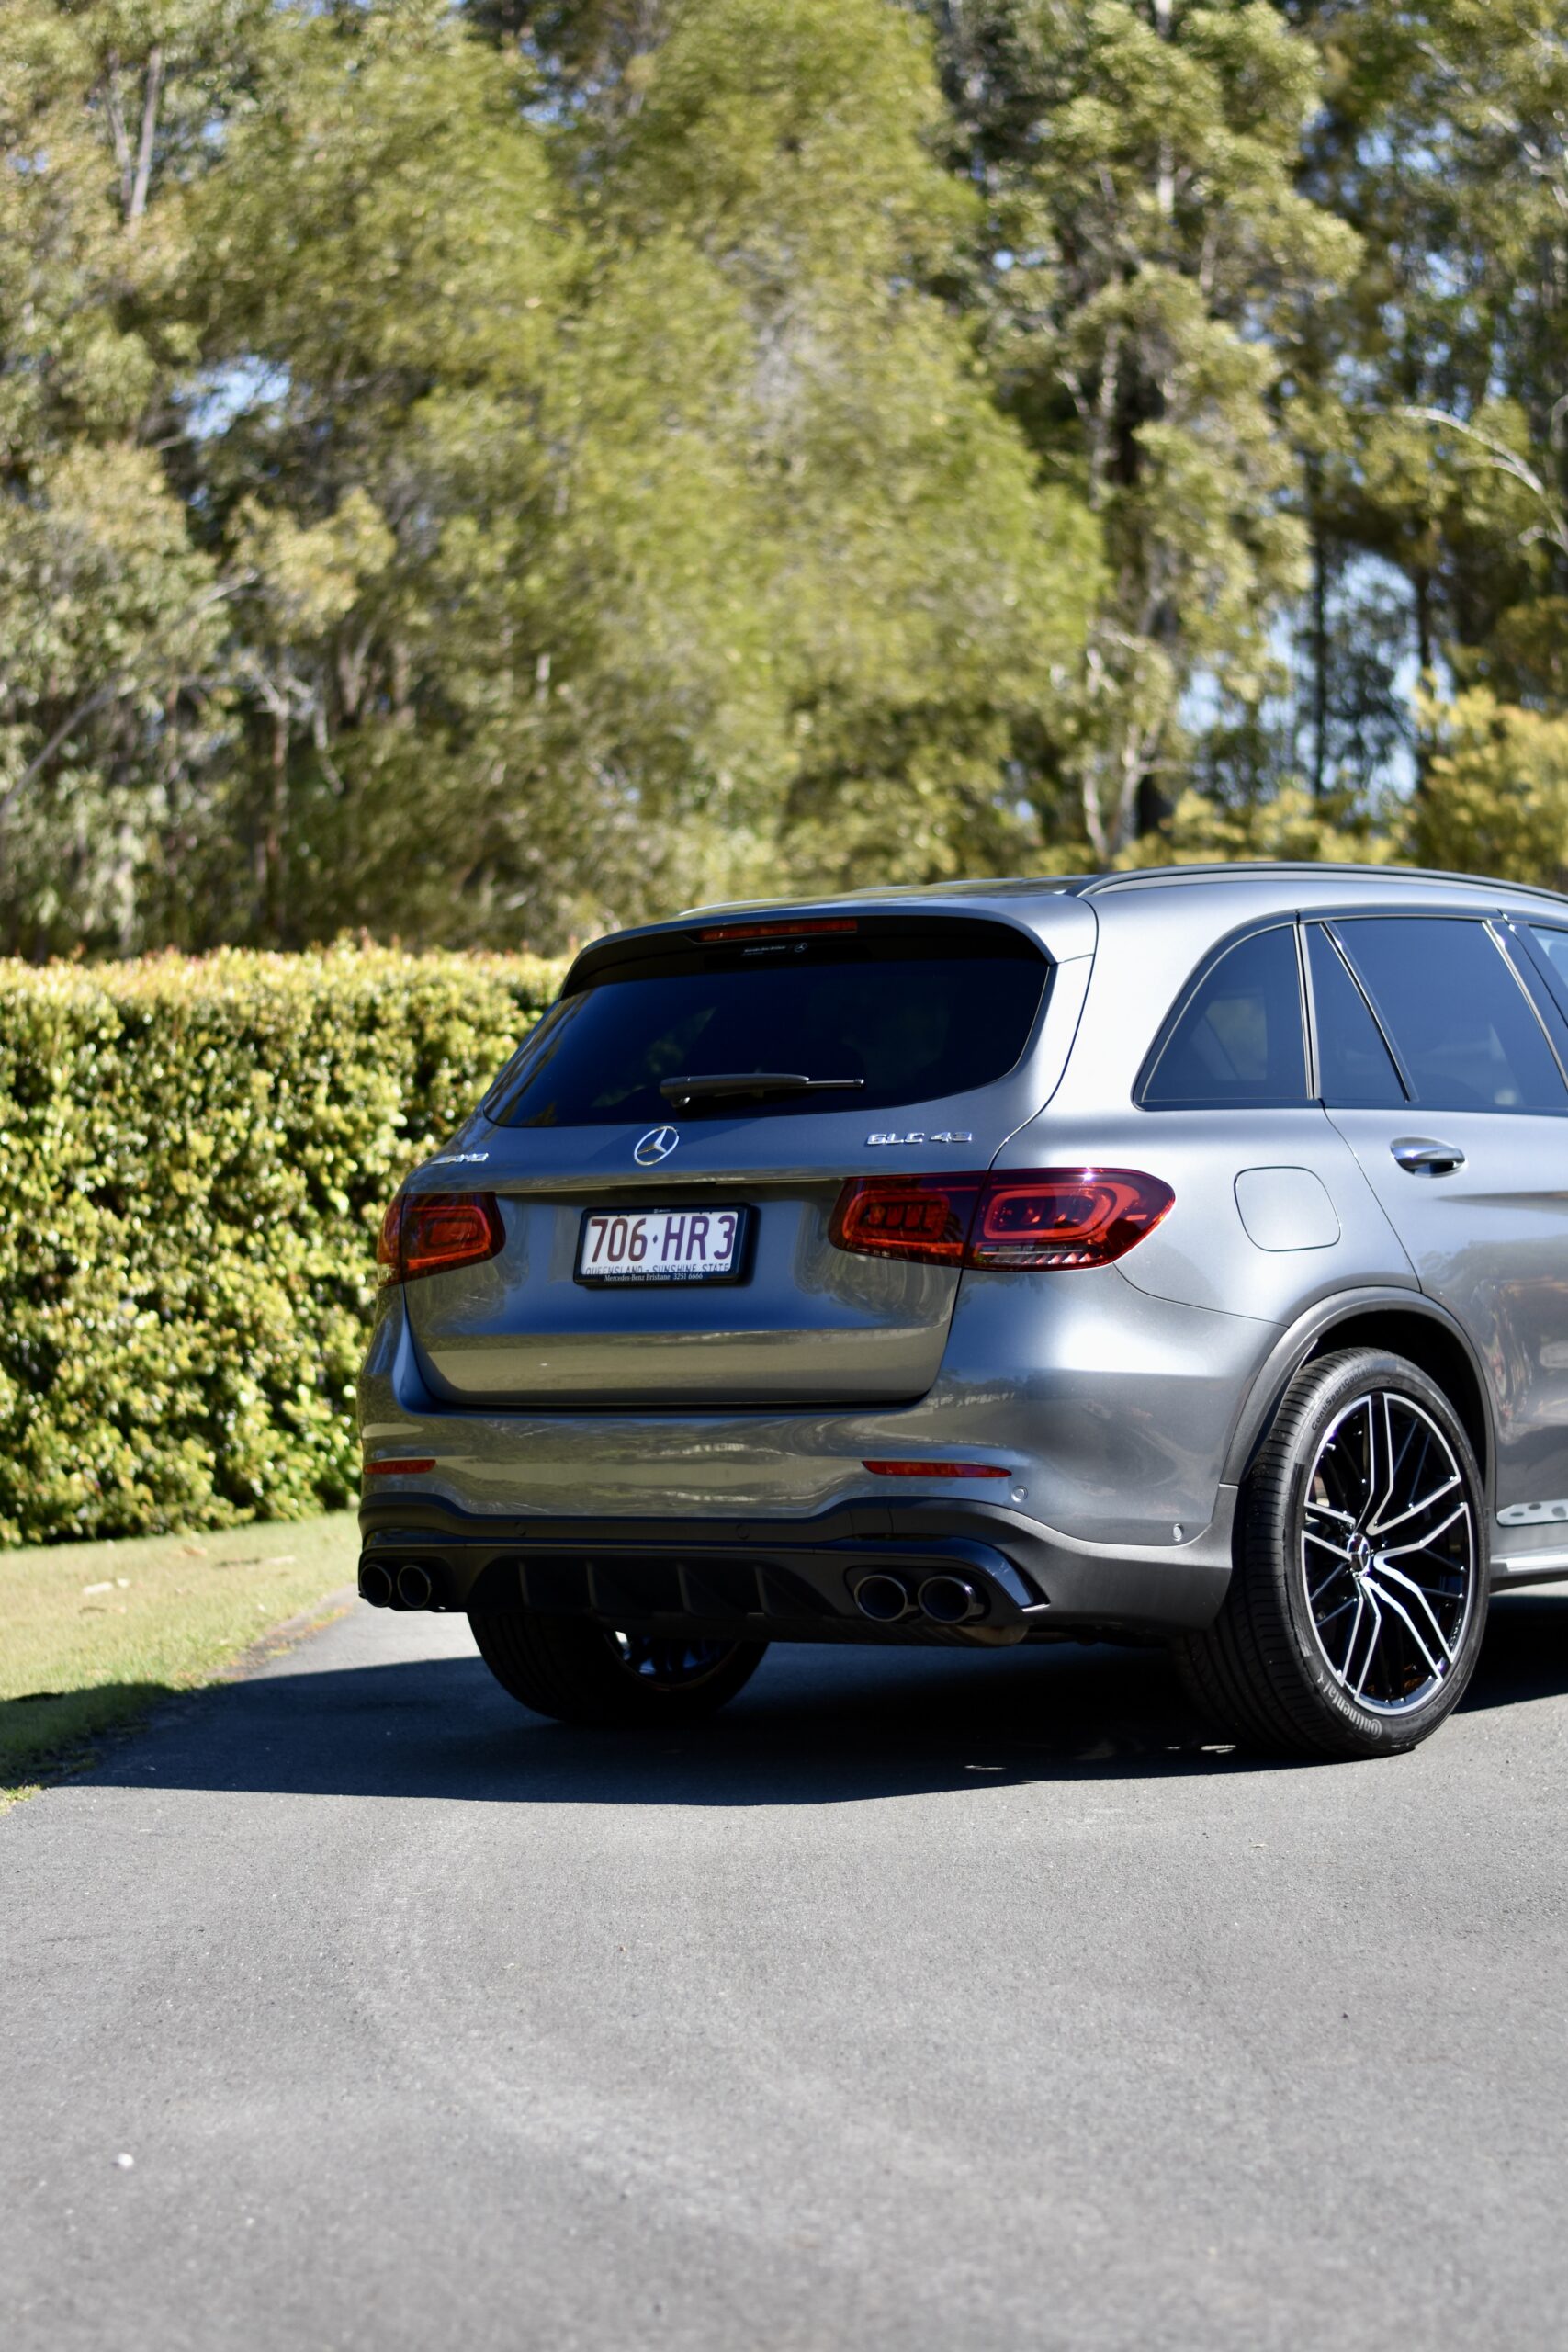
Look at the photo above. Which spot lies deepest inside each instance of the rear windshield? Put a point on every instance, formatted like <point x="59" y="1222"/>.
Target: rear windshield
<point x="913" y="1014"/>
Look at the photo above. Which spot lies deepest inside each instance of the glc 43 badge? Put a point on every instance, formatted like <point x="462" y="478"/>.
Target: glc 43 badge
<point x="919" y="1134"/>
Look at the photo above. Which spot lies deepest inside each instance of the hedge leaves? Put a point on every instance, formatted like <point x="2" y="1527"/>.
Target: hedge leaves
<point x="194" y="1159"/>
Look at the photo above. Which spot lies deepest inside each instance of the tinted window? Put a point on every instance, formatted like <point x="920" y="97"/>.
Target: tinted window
<point x="913" y="1019"/>
<point x="1553" y="946"/>
<point x="1459" y="1019"/>
<point x="1353" y="1063"/>
<point x="1238" y="1038"/>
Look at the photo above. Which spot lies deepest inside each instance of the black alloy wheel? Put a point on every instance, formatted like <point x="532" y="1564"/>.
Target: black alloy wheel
<point x="1356" y="1609"/>
<point x="585" y="1673"/>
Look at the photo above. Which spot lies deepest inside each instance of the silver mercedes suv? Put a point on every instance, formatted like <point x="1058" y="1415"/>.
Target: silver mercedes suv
<point x="1175" y="1254"/>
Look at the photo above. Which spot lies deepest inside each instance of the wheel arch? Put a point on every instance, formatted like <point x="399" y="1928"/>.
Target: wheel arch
<point x="1396" y="1321"/>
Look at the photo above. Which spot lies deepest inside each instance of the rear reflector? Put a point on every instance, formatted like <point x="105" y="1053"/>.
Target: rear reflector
<point x="430" y="1233"/>
<point x="1031" y="1219"/>
<point x="409" y="1468"/>
<point x="935" y="1470"/>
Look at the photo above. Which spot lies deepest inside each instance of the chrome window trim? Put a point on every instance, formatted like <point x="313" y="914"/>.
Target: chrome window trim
<point x="1322" y="924"/>
<point x="1516" y="955"/>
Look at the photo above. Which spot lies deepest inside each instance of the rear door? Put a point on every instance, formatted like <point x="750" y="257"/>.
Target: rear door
<point x="930" y="1033"/>
<point x="1439" y="1070"/>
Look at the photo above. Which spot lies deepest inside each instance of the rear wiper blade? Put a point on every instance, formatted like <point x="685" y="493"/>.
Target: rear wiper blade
<point x="722" y="1083"/>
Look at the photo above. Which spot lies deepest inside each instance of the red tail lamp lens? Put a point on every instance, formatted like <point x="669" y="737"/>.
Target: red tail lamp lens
<point x="1034" y="1219"/>
<point x="924" y="1218"/>
<point x="1057" y="1218"/>
<point x="388" y="1256"/>
<point x="430" y="1233"/>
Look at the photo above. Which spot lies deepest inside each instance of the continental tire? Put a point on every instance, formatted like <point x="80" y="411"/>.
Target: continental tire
<point x="581" y="1673"/>
<point x="1355" y="1610"/>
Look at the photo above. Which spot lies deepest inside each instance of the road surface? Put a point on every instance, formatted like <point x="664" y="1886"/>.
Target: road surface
<point x="922" y="2001"/>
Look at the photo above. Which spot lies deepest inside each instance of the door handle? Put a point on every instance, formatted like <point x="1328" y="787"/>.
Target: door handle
<point x="1423" y="1156"/>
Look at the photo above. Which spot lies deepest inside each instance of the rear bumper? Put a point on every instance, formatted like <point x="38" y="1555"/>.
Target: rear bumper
<point x="792" y="1579"/>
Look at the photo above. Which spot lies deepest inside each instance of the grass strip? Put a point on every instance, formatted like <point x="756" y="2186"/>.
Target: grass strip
<point x="92" y="1635"/>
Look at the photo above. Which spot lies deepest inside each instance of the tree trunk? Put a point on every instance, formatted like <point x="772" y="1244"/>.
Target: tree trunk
<point x="1319" y="639"/>
<point x="1421" y="586"/>
<point x="275" y="836"/>
<point x="142" y="181"/>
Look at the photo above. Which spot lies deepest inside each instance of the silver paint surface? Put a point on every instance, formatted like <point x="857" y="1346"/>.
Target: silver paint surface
<point x="1123" y="1400"/>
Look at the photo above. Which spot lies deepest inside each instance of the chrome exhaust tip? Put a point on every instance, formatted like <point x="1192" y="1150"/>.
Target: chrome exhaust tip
<point x="882" y="1598"/>
<point x="375" y="1583"/>
<point x="414" y="1586"/>
<point x="951" y="1600"/>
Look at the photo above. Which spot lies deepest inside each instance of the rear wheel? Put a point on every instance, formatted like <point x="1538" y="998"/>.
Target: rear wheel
<point x="1355" y="1612"/>
<point x="584" y="1674"/>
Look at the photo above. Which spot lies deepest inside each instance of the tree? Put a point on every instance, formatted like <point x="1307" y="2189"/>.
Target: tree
<point x="714" y="566"/>
<point x="1434" y="392"/>
<point x="1145" y="252"/>
<point x="1496" y="796"/>
<point x="109" y="616"/>
<point x="926" y="593"/>
<point x="570" y="489"/>
<point x="489" y="471"/>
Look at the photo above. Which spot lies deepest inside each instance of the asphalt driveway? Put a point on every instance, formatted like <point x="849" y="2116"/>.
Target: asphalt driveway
<point x="922" y="2001"/>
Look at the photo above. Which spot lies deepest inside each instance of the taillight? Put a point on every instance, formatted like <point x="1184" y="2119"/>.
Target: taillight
<point x="429" y="1233"/>
<point x="1035" y="1219"/>
<point x="906" y="1217"/>
<point x="1058" y="1218"/>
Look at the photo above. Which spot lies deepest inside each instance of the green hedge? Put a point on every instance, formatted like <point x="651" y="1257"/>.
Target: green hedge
<point x="195" y="1154"/>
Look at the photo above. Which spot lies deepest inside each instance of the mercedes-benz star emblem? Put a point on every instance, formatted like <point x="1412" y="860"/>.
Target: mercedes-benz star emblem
<point x="657" y="1144"/>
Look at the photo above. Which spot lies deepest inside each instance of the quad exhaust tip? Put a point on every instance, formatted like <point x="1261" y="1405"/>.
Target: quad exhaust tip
<point x="414" y="1585"/>
<point x="944" y="1599"/>
<point x="951" y="1600"/>
<point x="882" y="1598"/>
<point x="375" y="1583"/>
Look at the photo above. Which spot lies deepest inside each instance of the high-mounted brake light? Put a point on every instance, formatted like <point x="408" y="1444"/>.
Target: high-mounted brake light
<point x="722" y="933"/>
<point x="430" y="1233"/>
<point x="1032" y="1219"/>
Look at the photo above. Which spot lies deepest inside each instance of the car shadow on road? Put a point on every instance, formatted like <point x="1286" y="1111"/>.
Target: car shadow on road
<point x="818" y="1726"/>
<point x="1525" y="1654"/>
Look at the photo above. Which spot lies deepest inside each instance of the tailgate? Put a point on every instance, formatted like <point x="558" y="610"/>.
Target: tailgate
<point x="933" y="1032"/>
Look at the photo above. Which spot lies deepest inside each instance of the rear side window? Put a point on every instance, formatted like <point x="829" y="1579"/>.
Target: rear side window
<point x="913" y="1013"/>
<point x="1354" y="1067"/>
<point x="1239" y="1037"/>
<point x="1462" y="1027"/>
<point x="1553" y="947"/>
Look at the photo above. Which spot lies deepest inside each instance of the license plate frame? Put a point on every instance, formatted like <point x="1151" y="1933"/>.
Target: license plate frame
<point x="662" y="1275"/>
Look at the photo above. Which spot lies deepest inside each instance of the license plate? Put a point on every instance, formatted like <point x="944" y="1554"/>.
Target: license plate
<point x="661" y="1245"/>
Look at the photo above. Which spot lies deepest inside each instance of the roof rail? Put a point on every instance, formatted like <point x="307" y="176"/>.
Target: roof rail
<point x="1257" y="868"/>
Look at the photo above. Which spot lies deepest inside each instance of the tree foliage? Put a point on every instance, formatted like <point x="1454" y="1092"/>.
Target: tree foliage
<point x="484" y="472"/>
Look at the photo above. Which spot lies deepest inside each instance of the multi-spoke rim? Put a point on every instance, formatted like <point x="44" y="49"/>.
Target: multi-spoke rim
<point x="1388" y="1553"/>
<point x="668" y="1662"/>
